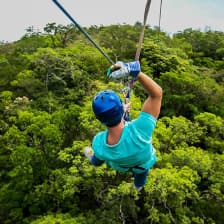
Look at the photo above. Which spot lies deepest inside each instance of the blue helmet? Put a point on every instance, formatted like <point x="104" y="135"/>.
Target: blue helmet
<point x="108" y="107"/>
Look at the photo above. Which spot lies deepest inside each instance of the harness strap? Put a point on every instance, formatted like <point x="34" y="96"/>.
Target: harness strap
<point x="136" y="167"/>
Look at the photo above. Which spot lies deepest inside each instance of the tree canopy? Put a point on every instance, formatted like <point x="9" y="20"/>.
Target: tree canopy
<point x="47" y="82"/>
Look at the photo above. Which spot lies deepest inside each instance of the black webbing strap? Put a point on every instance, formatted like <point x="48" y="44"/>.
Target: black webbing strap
<point x="136" y="167"/>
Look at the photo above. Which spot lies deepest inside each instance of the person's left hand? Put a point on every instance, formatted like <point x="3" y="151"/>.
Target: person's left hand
<point x="88" y="152"/>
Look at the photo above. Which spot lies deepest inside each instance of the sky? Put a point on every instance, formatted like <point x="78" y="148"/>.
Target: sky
<point x="17" y="15"/>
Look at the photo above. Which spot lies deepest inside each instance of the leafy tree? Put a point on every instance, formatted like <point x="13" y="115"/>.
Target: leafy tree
<point x="61" y="218"/>
<point x="47" y="83"/>
<point x="188" y="94"/>
<point x="113" y="37"/>
<point x="175" y="132"/>
<point x="212" y="139"/>
<point x="207" y="46"/>
<point x="159" y="58"/>
<point x="68" y="121"/>
<point x="195" y="158"/>
<point x="8" y="70"/>
<point x="167" y="194"/>
<point x="32" y="143"/>
<point x="27" y="85"/>
<point x="60" y="35"/>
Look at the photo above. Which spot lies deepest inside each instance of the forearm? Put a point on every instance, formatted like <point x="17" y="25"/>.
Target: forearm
<point x="95" y="161"/>
<point x="152" y="104"/>
<point x="150" y="86"/>
<point x="91" y="157"/>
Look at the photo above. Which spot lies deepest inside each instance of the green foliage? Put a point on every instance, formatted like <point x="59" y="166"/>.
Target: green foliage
<point x="188" y="94"/>
<point x="26" y="84"/>
<point x="6" y="98"/>
<point x="195" y="158"/>
<point x="30" y="43"/>
<point x="60" y="35"/>
<point x="172" y="133"/>
<point x="158" y="58"/>
<point x="60" y="219"/>
<point x="68" y="121"/>
<point x="167" y="193"/>
<point x="213" y="137"/>
<point x="8" y="70"/>
<point x="207" y="46"/>
<point x="112" y="37"/>
<point x="47" y="83"/>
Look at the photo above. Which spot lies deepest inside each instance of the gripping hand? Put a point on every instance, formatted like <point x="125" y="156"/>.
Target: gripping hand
<point x="121" y="69"/>
<point x="88" y="153"/>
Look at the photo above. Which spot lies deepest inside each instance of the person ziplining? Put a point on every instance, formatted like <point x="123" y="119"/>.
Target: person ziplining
<point x="125" y="145"/>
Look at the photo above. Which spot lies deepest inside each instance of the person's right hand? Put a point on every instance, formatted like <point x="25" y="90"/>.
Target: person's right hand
<point x="121" y="69"/>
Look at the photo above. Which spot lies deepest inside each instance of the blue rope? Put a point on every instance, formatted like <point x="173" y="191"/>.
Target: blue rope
<point x="83" y="31"/>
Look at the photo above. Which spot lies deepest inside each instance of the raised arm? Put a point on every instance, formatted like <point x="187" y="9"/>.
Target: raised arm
<point x="91" y="156"/>
<point x="152" y="104"/>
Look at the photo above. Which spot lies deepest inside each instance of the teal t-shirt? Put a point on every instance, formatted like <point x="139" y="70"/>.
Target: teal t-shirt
<point x="134" y="147"/>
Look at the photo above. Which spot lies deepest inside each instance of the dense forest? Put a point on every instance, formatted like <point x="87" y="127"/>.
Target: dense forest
<point x="47" y="82"/>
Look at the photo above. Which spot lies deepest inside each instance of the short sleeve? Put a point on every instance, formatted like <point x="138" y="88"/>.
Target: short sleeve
<point x="145" y="123"/>
<point x="95" y="161"/>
